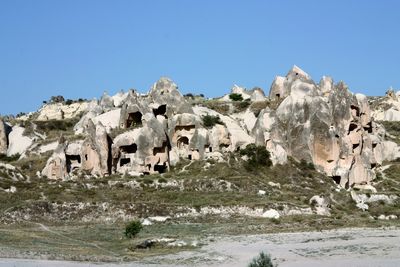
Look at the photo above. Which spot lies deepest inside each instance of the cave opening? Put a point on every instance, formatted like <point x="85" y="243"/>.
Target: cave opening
<point x="129" y="149"/>
<point x="73" y="162"/>
<point x="160" y="168"/>
<point x="336" y="179"/>
<point x="134" y="119"/>
<point x="352" y="127"/>
<point x="161" y="110"/>
<point x="124" y="161"/>
<point x="356" y="109"/>
<point x="183" y="142"/>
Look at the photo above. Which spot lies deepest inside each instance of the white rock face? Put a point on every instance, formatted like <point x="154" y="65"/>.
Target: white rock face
<point x="389" y="107"/>
<point x="48" y="147"/>
<point x="3" y="138"/>
<point x="18" y="143"/>
<point x="60" y="111"/>
<point x="271" y="214"/>
<point x="324" y="124"/>
<point x="110" y="119"/>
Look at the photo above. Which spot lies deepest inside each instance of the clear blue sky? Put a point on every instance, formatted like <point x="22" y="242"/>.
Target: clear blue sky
<point x="82" y="48"/>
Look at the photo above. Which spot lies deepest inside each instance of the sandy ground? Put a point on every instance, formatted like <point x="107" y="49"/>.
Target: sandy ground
<point x="345" y="247"/>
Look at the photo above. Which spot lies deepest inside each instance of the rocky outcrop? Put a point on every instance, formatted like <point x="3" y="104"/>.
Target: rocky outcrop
<point x="60" y="111"/>
<point x="3" y="138"/>
<point x="18" y="143"/>
<point x="255" y="94"/>
<point x="56" y="165"/>
<point x="321" y="123"/>
<point x="95" y="151"/>
<point x="387" y="108"/>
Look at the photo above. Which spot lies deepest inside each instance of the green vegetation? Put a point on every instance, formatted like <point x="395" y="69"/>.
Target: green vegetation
<point x="217" y="106"/>
<point x="236" y="97"/>
<point x="393" y="128"/>
<point x="5" y="158"/>
<point x="209" y="121"/>
<point x="133" y="228"/>
<point x="242" y="105"/>
<point x="258" y="156"/>
<point x="262" y="260"/>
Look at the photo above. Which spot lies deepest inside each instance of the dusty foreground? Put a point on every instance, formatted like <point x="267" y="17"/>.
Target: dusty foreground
<point x="345" y="247"/>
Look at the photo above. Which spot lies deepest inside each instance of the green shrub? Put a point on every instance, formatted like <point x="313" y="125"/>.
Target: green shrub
<point x="236" y="97"/>
<point x="217" y="106"/>
<point x="133" y="228"/>
<point x="262" y="260"/>
<point x="4" y="157"/>
<point x="209" y="121"/>
<point x="304" y="165"/>
<point x="69" y="102"/>
<point x="258" y="156"/>
<point x="242" y="106"/>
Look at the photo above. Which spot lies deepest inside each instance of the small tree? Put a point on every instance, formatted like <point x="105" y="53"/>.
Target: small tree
<point x="262" y="260"/>
<point x="209" y="121"/>
<point x="258" y="156"/>
<point x="133" y="228"/>
<point x="236" y="97"/>
<point x="57" y="99"/>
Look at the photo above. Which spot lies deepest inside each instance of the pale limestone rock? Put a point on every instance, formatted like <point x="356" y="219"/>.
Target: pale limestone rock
<point x="17" y="142"/>
<point x="110" y="120"/>
<point x="271" y="214"/>
<point x="320" y="205"/>
<point x="93" y="110"/>
<point x="56" y="166"/>
<point x="257" y="94"/>
<point x="3" y="138"/>
<point x="60" y="111"/>
<point x="324" y="124"/>
<point x="95" y="150"/>
<point x="119" y="99"/>
<point x="144" y="150"/>
<point x="48" y="147"/>
<point x="238" y="136"/>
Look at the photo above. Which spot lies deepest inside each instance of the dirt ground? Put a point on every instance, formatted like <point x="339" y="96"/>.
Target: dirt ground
<point x="343" y="247"/>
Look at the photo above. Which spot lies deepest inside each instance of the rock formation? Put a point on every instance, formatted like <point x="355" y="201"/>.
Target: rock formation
<point x="388" y="107"/>
<point x="321" y="123"/>
<point x="3" y="138"/>
<point x="56" y="166"/>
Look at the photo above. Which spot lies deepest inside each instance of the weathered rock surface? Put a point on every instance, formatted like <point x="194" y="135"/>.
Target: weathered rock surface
<point x="321" y="123"/>
<point x="56" y="166"/>
<point x="3" y="138"/>
<point x="387" y="108"/>
<point x="18" y="143"/>
<point x="324" y="124"/>
<point x="60" y="111"/>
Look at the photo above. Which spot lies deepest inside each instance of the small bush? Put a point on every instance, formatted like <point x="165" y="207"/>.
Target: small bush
<point x="189" y="95"/>
<point x="4" y="157"/>
<point x="217" y="106"/>
<point x="242" y="106"/>
<point x="209" y="121"/>
<point x="304" y="165"/>
<point x="69" y="102"/>
<point x="258" y="156"/>
<point x="236" y="97"/>
<point x="57" y="99"/>
<point x="133" y="228"/>
<point x="262" y="260"/>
